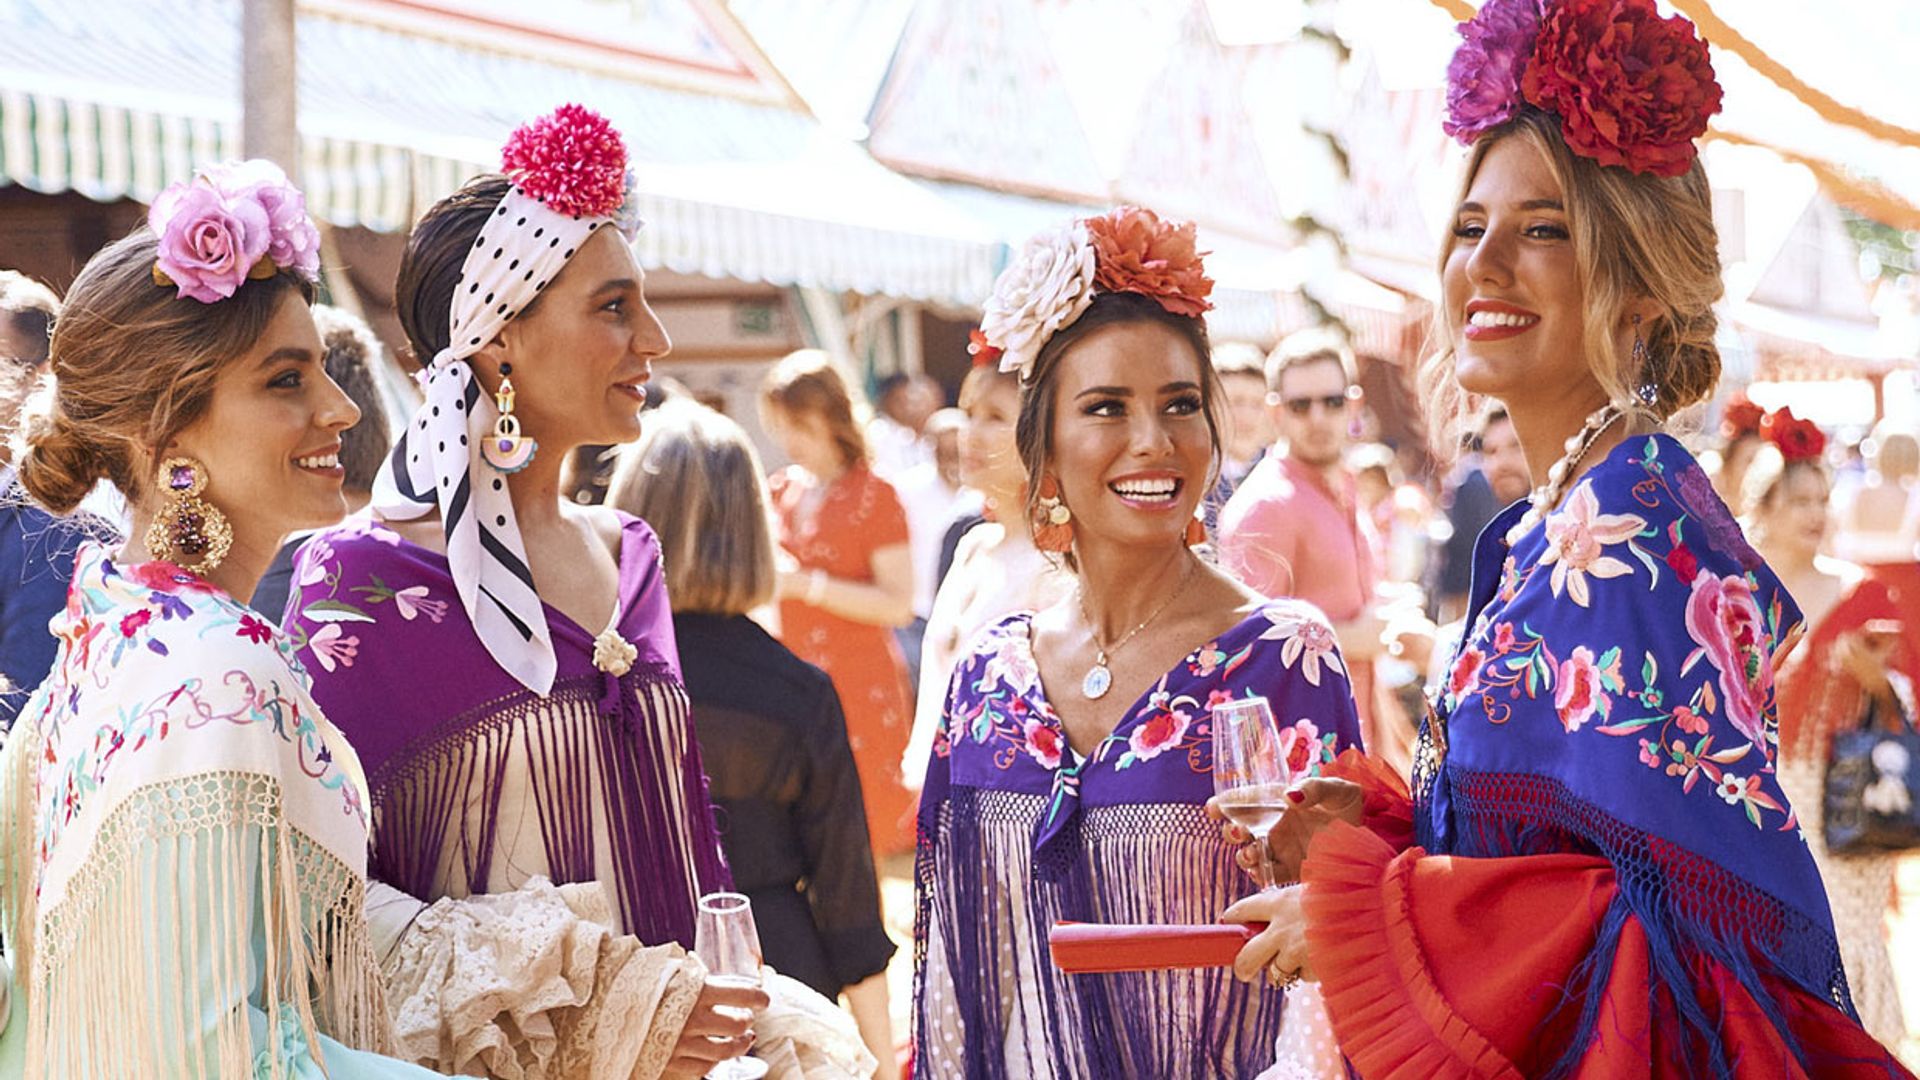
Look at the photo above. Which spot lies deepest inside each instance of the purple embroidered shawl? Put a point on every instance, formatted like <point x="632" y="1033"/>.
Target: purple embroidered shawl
<point x="398" y="667"/>
<point x="1017" y="832"/>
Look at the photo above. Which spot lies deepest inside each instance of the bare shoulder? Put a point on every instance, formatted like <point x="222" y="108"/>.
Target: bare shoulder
<point x="604" y="522"/>
<point x="1220" y="601"/>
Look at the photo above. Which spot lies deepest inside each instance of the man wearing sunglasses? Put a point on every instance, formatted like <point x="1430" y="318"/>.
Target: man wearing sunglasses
<point x="36" y="549"/>
<point x="1292" y="527"/>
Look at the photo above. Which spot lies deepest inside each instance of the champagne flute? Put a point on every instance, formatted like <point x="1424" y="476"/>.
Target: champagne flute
<point x="1250" y="777"/>
<point x="724" y="938"/>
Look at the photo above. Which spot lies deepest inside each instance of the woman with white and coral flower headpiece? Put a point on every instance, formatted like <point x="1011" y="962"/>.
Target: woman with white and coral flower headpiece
<point x="1596" y="872"/>
<point x="507" y="661"/>
<point x="1072" y="761"/>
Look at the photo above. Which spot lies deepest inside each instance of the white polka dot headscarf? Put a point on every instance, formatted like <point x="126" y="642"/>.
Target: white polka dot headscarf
<point x="570" y="179"/>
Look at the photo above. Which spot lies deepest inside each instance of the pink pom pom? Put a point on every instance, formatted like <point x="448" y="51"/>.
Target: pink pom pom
<point x="573" y="160"/>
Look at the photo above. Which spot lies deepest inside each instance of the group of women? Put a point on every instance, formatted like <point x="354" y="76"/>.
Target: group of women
<point x="452" y="814"/>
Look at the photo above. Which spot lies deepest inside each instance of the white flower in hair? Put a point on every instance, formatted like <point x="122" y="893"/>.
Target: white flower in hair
<point x="1041" y="292"/>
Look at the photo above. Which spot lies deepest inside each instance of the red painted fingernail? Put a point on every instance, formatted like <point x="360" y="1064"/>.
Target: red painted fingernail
<point x="1297" y="796"/>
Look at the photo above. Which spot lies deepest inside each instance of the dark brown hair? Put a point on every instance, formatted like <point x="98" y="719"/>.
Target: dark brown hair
<point x="436" y="254"/>
<point x="1033" y="433"/>
<point x="133" y="366"/>
<point x="808" y="383"/>
<point x="352" y="354"/>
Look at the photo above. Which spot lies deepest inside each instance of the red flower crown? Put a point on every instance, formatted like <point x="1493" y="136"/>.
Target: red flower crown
<point x="1629" y="87"/>
<point x="1740" y="417"/>
<point x="1796" y="439"/>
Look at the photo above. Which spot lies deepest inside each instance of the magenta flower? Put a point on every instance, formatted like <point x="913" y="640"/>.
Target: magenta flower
<point x="233" y="221"/>
<point x="293" y="241"/>
<point x="1483" y="80"/>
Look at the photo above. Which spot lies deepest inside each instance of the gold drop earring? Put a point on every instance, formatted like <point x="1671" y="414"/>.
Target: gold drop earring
<point x="187" y="526"/>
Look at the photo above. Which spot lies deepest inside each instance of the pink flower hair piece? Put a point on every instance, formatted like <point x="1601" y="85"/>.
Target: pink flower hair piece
<point x="572" y="160"/>
<point x="1483" y="80"/>
<point x="232" y="222"/>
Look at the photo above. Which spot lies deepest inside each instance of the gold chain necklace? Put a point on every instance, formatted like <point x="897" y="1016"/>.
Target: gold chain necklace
<point x="1099" y="678"/>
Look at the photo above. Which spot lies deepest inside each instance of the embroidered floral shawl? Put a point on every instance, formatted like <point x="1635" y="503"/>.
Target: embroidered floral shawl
<point x="607" y="762"/>
<point x="1017" y="831"/>
<point x="1615" y="696"/>
<point x="186" y="838"/>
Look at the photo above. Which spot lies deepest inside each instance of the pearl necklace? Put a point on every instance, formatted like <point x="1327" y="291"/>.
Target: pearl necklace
<point x="1545" y="497"/>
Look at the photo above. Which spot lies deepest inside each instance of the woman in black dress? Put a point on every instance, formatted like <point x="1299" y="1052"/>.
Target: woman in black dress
<point x="780" y="772"/>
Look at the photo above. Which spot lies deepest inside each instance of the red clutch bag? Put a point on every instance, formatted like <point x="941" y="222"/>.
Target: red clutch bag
<point x="1091" y="948"/>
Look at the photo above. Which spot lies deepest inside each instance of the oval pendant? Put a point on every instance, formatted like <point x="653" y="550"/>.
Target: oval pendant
<point x="1097" y="682"/>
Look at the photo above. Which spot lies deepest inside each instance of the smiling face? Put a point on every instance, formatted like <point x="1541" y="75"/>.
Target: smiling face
<point x="270" y="436"/>
<point x="1511" y="285"/>
<point x="582" y="355"/>
<point x="989" y="454"/>
<point x="1131" y="444"/>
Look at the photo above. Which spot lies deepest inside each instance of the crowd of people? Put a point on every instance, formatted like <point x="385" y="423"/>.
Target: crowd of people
<point x="349" y="743"/>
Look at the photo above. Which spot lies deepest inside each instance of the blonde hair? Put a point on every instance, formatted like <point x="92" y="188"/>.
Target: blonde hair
<point x="695" y="478"/>
<point x="133" y="366"/>
<point x="1633" y="236"/>
<point x="809" y="383"/>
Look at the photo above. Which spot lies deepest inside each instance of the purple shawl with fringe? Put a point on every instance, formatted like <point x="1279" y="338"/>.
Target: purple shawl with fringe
<point x="397" y="666"/>
<point x="1017" y="832"/>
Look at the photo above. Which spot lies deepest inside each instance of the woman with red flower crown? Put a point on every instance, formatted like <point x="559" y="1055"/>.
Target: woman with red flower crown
<point x="1596" y="872"/>
<point x="1855" y="671"/>
<point x="1073" y="759"/>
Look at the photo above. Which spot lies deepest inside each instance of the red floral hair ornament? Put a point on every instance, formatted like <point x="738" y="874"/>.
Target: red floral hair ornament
<point x="1740" y="417"/>
<point x="1796" y="439"/>
<point x="1630" y="87"/>
<point x="983" y="354"/>
<point x="572" y="160"/>
<point x="1136" y="251"/>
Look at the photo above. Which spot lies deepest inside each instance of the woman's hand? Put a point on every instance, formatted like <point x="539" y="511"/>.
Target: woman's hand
<point x="720" y="1029"/>
<point x="1313" y="804"/>
<point x="1281" y="949"/>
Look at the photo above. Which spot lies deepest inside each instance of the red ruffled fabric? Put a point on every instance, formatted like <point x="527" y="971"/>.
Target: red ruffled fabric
<point x="1437" y="966"/>
<point x="1388" y="809"/>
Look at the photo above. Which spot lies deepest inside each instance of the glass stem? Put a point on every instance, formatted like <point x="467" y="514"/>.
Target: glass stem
<point x="1266" y="876"/>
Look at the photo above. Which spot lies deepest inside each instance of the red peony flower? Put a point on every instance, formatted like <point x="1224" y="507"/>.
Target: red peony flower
<point x="1466" y="670"/>
<point x="1135" y="251"/>
<point x="1797" y="439"/>
<point x="984" y="355"/>
<point x="1740" y="417"/>
<point x="1630" y="88"/>
<point x="572" y="160"/>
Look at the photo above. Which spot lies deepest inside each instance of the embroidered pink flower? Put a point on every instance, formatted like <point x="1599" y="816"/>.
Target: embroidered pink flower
<point x="1042" y="744"/>
<point x="1577" y="692"/>
<point x="1724" y="620"/>
<point x="1503" y="640"/>
<point x="332" y="650"/>
<point x="1683" y="562"/>
<point x="135" y="622"/>
<point x="1466" y="671"/>
<point x="255" y="630"/>
<point x="1578" y="535"/>
<point x="1649" y="753"/>
<point x="1688" y="721"/>
<point x="412" y="601"/>
<point x="1305" y="638"/>
<point x="165" y="577"/>
<point x="314" y="557"/>
<point x="1012" y="666"/>
<point x="1300" y="748"/>
<point x="1165" y="728"/>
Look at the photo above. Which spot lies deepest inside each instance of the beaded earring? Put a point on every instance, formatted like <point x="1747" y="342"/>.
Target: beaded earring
<point x="1648" y="391"/>
<point x="187" y="526"/>
<point x="507" y="450"/>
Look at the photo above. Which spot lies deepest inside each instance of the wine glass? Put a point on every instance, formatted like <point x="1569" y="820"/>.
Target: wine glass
<point x="725" y="938"/>
<point x="1250" y="776"/>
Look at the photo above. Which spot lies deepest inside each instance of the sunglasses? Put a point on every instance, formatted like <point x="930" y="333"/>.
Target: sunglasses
<point x="1303" y="406"/>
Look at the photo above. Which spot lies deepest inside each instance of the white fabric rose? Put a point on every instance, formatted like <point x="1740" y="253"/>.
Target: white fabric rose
<point x="1042" y="291"/>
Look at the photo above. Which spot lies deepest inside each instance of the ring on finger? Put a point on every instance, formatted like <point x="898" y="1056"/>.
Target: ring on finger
<point x="1283" y="978"/>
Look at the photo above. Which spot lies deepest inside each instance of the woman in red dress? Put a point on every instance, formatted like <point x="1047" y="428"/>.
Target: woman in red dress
<point x="850" y="580"/>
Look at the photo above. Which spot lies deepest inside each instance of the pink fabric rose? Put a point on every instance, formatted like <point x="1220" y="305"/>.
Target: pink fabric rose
<point x="1466" y="671"/>
<point x="1166" y="728"/>
<point x="293" y="240"/>
<point x="1042" y="744"/>
<point x="1724" y="621"/>
<point x="209" y="240"/>
<point x="1579" y="694"/>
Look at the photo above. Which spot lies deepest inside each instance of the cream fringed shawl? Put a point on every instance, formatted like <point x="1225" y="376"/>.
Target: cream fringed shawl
<point x="185" y="845"/>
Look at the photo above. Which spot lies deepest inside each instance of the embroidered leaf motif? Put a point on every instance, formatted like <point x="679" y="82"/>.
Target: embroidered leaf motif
<point x="1649" y="670"/>
<point x="335" y="611"/>
<point x="1647" y="560"/>
<point x="1628" y="727"/>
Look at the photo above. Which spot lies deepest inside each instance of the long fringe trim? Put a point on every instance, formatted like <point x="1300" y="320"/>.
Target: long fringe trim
<point x="198" y="900"/>
<point x="990" y="1004"/>
<point x="631" y="783"/>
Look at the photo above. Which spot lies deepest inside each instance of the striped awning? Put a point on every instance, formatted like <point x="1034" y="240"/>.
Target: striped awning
<point x="118" y="98"/>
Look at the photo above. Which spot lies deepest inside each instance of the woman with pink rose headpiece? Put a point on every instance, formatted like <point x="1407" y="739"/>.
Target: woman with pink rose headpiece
<point x="185" y="831"/>
<point x="1596" y="871"/>
<point x="1073" y="757"/>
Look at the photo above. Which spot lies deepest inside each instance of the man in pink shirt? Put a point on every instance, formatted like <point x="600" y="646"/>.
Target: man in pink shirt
<point x="1292" y="527"/>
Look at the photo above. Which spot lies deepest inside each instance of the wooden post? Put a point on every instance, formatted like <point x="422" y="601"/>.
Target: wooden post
<point x="269" y="125"/>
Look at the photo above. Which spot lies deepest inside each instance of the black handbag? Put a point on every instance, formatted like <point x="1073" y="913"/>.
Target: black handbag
<point x="1872" y="797"/>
